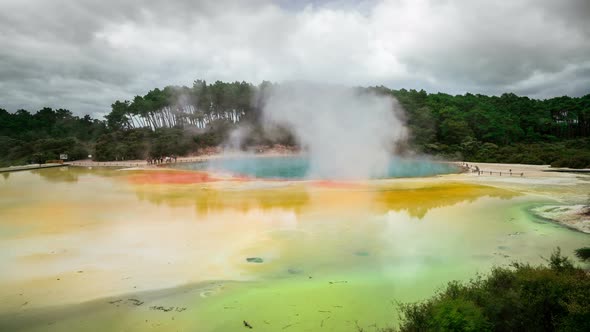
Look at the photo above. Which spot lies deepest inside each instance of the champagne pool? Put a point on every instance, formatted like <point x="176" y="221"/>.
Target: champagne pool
<point x="298" y="167"/>
<point x="97" y="249"/>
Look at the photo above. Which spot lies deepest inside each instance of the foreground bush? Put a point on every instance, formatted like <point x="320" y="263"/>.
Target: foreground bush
<point x="583" y="253"/>
<point x="519" y="298"/>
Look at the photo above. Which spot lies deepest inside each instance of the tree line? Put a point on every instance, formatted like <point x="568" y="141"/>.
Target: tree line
<point x="172" y="107"/>
<point x="181" y="119"/>
<point x="27" y="137"/>
<point x="506" y="128"/>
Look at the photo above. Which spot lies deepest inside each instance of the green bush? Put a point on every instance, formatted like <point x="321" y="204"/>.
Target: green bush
<point x="142" y="143"/>
<point x="207" y="139"/>
<point x="575" y="160"/>
<point x="446" y="314"/>
<point x="531" y="160"/>
<point x="583" y="253"/>
<point x="458" y="315"/>
<point x="518" y="298"/>
<point x="573" y="153"/>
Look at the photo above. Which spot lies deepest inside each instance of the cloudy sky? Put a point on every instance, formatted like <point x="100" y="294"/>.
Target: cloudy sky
<point x="83" y="54"/>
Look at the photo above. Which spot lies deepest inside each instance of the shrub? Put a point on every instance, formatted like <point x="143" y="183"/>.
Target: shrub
<point x="574" y="160"/>
<point x="517" y="298"/>
<point x="458" y="315"/>
<point x="583" y="253"/>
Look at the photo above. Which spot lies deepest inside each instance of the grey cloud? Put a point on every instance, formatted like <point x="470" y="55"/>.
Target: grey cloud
<point x="85" y="54"/>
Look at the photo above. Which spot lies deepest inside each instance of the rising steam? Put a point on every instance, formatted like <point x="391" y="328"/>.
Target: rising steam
<point x="348" y="133"/>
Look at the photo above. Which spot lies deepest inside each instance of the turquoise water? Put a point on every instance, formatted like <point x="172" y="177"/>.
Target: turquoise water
<point x="298" y="167"/>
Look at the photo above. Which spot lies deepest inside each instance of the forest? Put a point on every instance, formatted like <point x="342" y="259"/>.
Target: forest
<point x="181" y="120"/>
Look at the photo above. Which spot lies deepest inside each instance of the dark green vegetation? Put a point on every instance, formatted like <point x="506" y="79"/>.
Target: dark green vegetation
<point x="507" y="129"/>
<point x="178" y="120"/>
<point x="583" y="254"/>
<point x="35" y="138"/>
<point x="521" y="298"/>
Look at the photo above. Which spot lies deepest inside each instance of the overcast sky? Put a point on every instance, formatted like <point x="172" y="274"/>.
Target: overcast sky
<point x="83" y="55"/>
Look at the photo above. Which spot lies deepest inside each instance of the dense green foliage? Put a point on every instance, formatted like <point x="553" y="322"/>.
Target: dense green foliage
<point x="182" y="106"/>
<point x="508" y="128"/>
<point x="176" y="120"/>
<point x="141" y="143"/>
<point x="583" y="253"/>
<point x="520" y="298"/>
<point x="26" y="137"/>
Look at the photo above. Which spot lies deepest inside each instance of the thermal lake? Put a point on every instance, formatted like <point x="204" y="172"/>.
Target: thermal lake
<point x="299" y="167"/>
<point x="97" y="249"/>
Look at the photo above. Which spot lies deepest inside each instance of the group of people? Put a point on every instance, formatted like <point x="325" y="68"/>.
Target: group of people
<point x="161" y="160"/>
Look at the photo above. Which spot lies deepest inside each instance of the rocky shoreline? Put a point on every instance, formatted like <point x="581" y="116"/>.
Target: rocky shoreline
<point x="573" y="216"/>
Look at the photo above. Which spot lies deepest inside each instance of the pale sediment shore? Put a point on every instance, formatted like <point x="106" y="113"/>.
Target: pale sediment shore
<point x="571" y="211"/>
<point x="137" y="163"/>
<point x="498" y="169"/>
<point x="514" y="170"/>
<point x="29" y="167"/>
<point x="518" y="175"/>
<point x="572" y="216"/>
<point x="188" y="159"/>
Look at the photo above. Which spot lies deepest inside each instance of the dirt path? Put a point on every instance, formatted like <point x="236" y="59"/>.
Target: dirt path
<point x="536" y="171"/>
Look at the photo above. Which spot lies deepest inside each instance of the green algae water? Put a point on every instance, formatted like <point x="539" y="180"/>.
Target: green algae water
<point x="167" y="250"/>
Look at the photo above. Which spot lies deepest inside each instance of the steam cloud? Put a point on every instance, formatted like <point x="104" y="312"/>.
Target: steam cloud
<point x="348" y="133"/>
